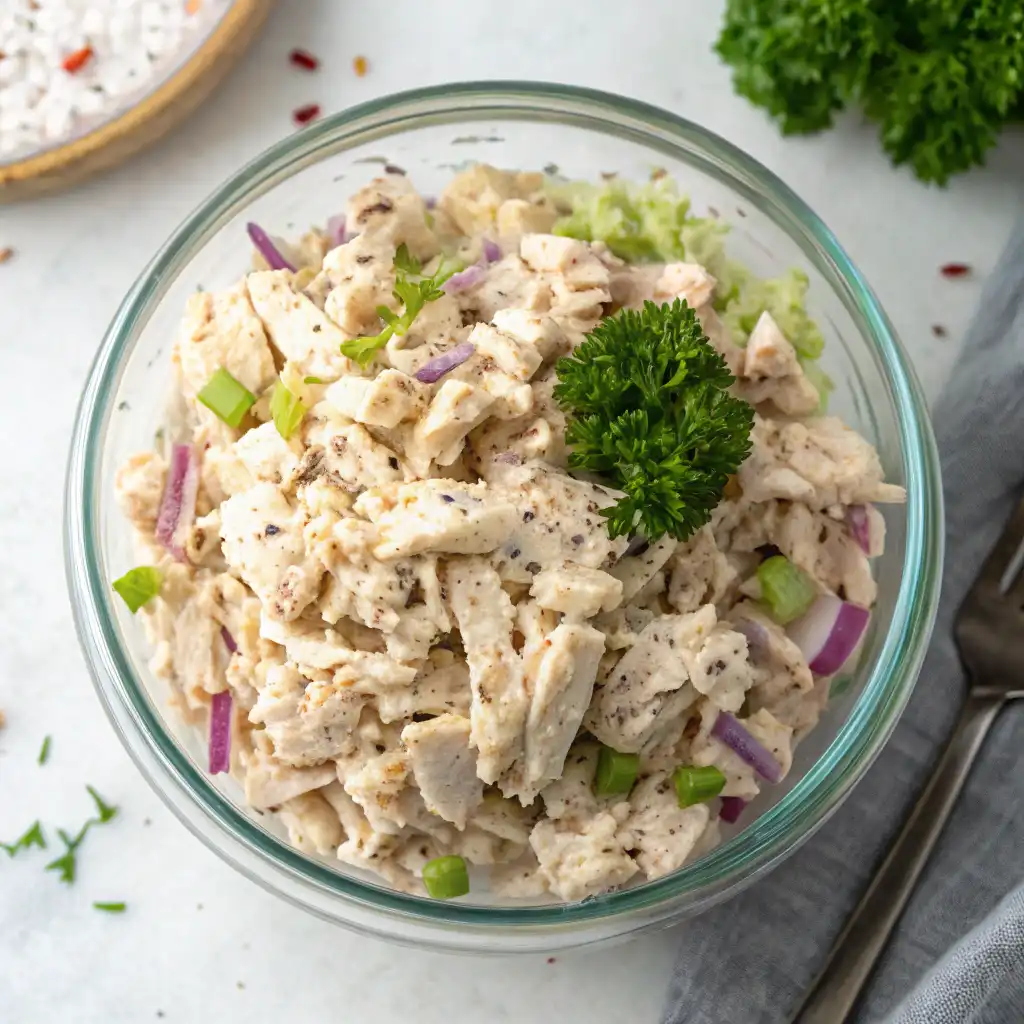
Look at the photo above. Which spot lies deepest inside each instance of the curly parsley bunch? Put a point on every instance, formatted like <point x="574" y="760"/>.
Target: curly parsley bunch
<point x="941" y="77"/>
<point x="649" y="409"/>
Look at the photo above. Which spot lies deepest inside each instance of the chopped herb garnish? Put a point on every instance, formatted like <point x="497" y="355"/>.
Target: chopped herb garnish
<point x="110" y="908"/>
<point x="313" y="380"/>
<point x="66" y="864"/>
<point x="44" y="752"/>
<point x="413" y="292"/>
<point x="138" y="585"/>
<point x="649" y="410"/>
<point x="286" y="409"/>
<point x="224" y="396"/>
<point x="106" y="812"/>
<point x="32" y="837"/>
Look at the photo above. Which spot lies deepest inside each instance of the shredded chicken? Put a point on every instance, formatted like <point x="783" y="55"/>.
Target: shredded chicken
<point x="426" y="630"/>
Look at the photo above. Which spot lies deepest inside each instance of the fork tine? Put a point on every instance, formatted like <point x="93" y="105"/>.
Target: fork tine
<point x="1006" y="559"/>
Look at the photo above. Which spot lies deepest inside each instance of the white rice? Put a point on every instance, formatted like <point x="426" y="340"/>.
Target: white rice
<point x="134" y="43"/>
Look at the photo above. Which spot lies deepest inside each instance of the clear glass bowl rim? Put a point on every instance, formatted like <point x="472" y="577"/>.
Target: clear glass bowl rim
<point x="779" y="830"/>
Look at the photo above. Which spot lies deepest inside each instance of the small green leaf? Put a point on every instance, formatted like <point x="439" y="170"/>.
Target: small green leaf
<point x="44" y="752"/>
<point x="406" y="262"/>
<point x="106" y="812"/>
<point x="110" y="908"/>
<point x="138" y="585"/>
<point x="33" y="836"/>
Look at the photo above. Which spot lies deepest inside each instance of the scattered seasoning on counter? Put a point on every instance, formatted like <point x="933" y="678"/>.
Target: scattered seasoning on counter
<point x="110" y="908"/>
<point x="304" y="59"/>
<point x="74" y="62"/>
<point x="551" y="959"/>
<point x="44" y="753"/>
<point x="303" y="115"/>
<point x="939" y="331"/>
<point x="69" y="66"/>
<point x="954" y="270"/>
<point x="360" y="66"/>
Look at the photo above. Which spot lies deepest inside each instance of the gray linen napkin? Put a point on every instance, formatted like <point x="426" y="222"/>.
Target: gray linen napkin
<point x="749" y="960"/>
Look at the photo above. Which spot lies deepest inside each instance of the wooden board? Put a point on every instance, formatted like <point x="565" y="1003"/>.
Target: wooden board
<point x="149" y="120"/>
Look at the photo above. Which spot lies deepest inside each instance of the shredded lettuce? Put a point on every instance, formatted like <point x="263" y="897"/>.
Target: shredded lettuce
<point x="637" y="222"/>
<point x="785" y="298"/>
<point x="652" y="222"/>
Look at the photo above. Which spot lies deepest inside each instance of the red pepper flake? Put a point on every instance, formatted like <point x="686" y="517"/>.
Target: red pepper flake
<point x="304" y="59"/>
<point x="939" y="331"/>
<point x="76" y="61"/>
<point x="551" y="959"/>
<point x="306" y="114"/>
<point x="5" y="254"/>
<point x="955" y="270"/>
<point x="360" y="66"/>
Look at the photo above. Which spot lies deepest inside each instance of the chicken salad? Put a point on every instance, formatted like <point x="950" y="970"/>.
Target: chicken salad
<point x="408" y="560"/>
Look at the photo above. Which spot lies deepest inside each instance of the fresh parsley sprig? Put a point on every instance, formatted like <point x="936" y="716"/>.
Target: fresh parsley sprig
<point x="413" y="292"/>
<point x="649" y="409"/>
<point x="66" y="864"/>
<point x="33" y="836"/>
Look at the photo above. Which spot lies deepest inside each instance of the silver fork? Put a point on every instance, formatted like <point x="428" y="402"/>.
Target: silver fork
<point x="989" y="632"/>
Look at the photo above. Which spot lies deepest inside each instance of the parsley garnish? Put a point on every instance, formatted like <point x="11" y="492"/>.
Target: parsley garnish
<point x="649" y="409"/>
<point x="32" y="837"/>
<point x="66" y="864"/>
<point x="110" y="908"/>
<point x="413" y="292"/>
<point x="106" y="812"/>
<point x="44" y="753"/>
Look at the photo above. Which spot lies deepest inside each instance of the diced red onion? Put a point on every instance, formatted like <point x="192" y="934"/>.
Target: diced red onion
<point x="735" y="736"/>
<point x="860" y="526"/>
<point x="731" y="809"/>
<point x="429" y="202"/>
<point x="220" y="732"/>
<point x="509" y="458"/>
<point x="758" y="640"/>
<point x="267" y="249"/>
<point x="178" y="504"/>
<point x="464" y="279"/>
<point x="433" y="370"/>
<point x="336" y="229"/>
<point x="829" y="632"/>
<point x="492" y="251"/>
<point x="229" y="640"/>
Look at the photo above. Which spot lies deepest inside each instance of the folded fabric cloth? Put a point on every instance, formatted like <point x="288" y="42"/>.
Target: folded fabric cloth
<point x="750" y="960"/>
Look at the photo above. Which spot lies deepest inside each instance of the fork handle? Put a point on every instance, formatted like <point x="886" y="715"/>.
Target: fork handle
<point x="835" y="991"/>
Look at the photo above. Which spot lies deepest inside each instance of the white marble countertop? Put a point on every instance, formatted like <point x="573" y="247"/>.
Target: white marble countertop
<point x="198" y="942"/>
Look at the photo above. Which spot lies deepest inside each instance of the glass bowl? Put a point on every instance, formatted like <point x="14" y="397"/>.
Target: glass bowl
<point x="302" y="180"/>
